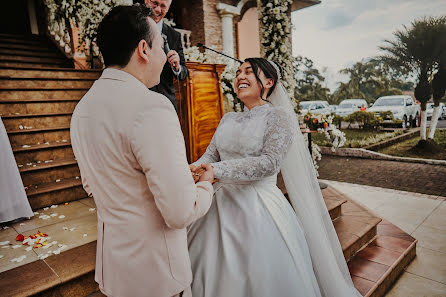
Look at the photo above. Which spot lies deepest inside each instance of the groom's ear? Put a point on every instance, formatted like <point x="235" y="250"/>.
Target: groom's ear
<point x="143" y="50"/>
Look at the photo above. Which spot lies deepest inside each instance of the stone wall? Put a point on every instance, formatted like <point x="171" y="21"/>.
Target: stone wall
<point x="212" y="24"/>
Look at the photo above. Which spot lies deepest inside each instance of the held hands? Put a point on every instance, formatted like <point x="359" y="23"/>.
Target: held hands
<point x="205" y="172"/>
<point x="174" y="59"/>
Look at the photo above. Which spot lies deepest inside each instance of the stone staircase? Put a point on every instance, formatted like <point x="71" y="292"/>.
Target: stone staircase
<point x="38" y="93"/>
<point x="37" y="98"/>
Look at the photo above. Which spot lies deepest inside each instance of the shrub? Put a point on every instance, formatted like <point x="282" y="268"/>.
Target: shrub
<point x="366" y="120"/>
<point x="337" y="120"/>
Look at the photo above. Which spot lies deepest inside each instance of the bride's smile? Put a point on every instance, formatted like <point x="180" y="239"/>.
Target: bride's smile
<point x="252" y="89"/>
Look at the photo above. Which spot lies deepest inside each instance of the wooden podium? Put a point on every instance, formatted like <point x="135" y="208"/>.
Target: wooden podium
<point x="200" y="106"/>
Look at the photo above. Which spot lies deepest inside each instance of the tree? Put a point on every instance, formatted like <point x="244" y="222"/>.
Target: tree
<point x="362" y="75"/>
<point x="418" y="51"/>
<point x="308" y="81"/>
<point x="438" y="88"/>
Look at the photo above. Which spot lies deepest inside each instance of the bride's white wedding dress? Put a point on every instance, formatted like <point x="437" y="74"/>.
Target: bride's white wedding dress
<point x="250" y="243"/>
<point x="13" y="201"/>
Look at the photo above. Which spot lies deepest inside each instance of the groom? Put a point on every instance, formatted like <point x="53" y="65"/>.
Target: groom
<point x="131" y="154"/>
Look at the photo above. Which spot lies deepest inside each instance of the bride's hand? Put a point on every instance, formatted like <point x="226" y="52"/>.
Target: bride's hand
<point x="192" y="168"/>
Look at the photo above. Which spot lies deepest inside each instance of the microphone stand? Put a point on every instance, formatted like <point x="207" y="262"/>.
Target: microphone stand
<point x="220" y="53"/>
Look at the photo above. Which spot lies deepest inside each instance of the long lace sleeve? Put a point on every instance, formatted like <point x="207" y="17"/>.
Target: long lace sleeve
<point x="210" y="156"/>
<point x="277" y="140"/>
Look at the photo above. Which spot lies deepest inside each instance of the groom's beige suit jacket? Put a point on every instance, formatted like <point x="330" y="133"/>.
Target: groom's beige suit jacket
<point x="131" y="154"/>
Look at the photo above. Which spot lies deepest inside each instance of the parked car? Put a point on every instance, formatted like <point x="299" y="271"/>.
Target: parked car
<point x="349" y="106"/>
<point x="430" y="111"/>
<point x="443" y="115"/>
<point x="315" y="107"/>
<point x="403" y="108"/>
<point x="334" y="107"/>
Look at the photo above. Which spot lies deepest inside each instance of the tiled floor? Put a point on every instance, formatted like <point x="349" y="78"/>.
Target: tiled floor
<point x="423" y="217"/>
<point x="71" y="225"/>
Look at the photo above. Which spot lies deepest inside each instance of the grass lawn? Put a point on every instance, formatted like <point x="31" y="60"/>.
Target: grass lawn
<point x="356" y="138"/>
<point x="409" y="148"/>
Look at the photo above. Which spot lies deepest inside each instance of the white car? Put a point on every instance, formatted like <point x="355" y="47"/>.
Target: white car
<point x="402" y="107"/>
<point x="349" y="106"/>
<point x="430" y="111"/>
<point x="315" y="107"/>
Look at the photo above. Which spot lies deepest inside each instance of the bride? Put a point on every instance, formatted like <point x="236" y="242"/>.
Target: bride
<point x="252" y="242"/>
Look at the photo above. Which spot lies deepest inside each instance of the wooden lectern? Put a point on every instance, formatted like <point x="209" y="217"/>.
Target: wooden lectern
<point x="200" y="106"/>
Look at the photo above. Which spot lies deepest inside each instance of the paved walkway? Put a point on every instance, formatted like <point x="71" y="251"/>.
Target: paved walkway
<point x="423" y="218"/>
<point x="412" y="177"/>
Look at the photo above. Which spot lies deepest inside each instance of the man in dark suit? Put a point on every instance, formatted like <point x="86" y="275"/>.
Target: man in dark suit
<point x="176" y="64"/>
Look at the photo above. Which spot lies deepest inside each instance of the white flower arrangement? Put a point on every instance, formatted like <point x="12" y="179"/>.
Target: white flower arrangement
<point x="275" y="27"/>
<point x="87" y="14"/>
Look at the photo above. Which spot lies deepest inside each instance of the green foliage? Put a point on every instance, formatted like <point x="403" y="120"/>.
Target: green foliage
<point x="366" y="120"/>
<point x="337" y="120"/>
<point x="413" y="148"/>
<point x="308" y="81"/>
<point x="370" y="80"/>
<point x="418" y="50"/>
<point x="358" y="138"/>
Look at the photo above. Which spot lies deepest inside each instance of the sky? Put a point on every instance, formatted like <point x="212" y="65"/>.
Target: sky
<point x="337" y="33"/>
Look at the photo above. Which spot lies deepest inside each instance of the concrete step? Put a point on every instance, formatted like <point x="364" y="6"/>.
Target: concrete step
<point x="12" y="108"/>
<point x="334" y="201"/>
<point x="47" y="172"/>
<point x="355" y="227"/>
<point x="375" y="268"/>
<point x="8" y="96"/>
<point x="25" y="40"/>
<point x="39" y="84"/>
<point x="49" y="73"/>
<point x="18" y="138"/>
<point x="19" y="58"/>
<point x="55" y="192"/>
<point x="70" y="273"/>
<point x="38" y="121"/>
<point x="30" y="53"/>
<point x="37" y="65"/>
<point x="34" y="48"/>
<point x="43" y="152"/>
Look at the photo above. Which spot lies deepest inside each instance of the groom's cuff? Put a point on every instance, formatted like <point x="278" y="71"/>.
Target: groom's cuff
<point x="205" y="185"/>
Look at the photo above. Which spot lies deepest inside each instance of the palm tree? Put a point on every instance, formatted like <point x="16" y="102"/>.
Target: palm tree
<point x="361" y="75"/>
<point x="418" y="50"/>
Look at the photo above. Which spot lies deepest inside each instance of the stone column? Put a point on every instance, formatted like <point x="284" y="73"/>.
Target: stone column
<point x="227" y="13"/>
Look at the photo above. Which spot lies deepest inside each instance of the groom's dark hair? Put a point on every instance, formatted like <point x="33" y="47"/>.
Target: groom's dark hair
<point x="120" y="32"/>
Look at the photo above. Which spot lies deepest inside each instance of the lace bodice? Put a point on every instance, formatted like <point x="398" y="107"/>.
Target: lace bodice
<point x="249" y="145"/>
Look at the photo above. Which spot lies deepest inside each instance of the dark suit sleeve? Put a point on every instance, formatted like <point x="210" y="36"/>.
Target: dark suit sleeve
<point x="179" y="49"/>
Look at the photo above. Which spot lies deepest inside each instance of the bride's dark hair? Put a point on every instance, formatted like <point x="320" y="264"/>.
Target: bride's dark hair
<point x="268" y="70"/>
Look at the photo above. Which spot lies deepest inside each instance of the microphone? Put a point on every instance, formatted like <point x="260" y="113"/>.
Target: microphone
<point x="220" y="53"/>
<point x="166" y="44"/>
<point x="166" y="50"/>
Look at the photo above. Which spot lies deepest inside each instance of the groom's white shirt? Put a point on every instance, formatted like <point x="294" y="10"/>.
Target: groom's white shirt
<point x="131" y="154"/>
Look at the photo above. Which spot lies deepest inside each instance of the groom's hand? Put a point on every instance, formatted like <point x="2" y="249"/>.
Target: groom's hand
<point x="195" y="172"/>
<point x="207" y="174"/>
